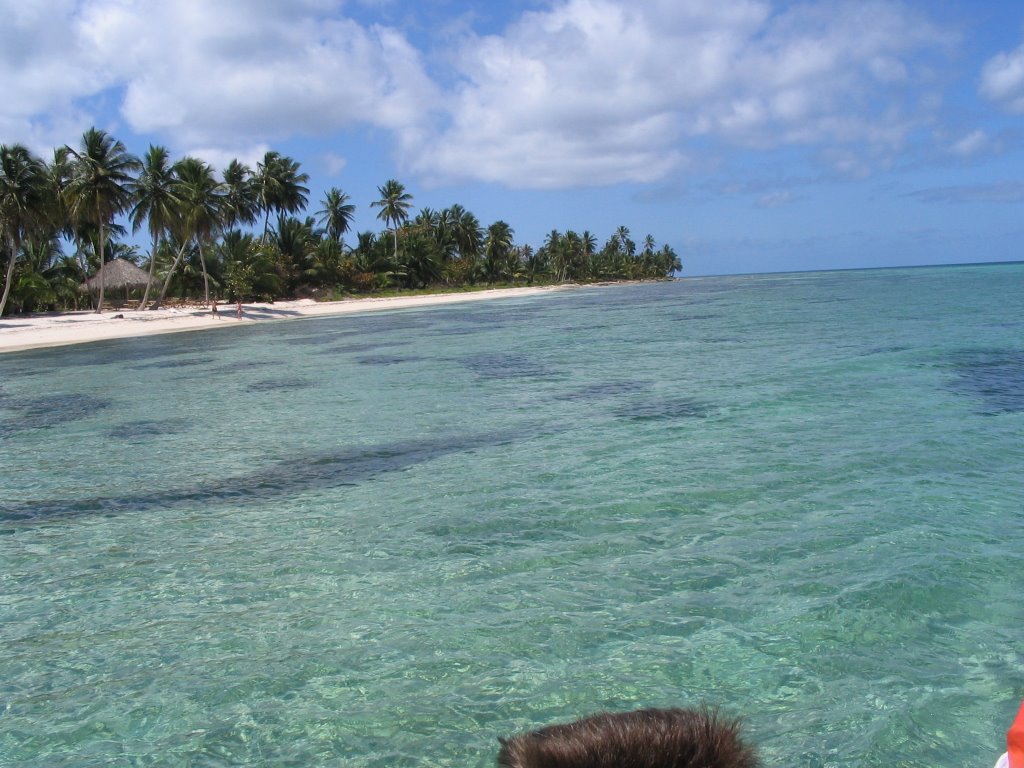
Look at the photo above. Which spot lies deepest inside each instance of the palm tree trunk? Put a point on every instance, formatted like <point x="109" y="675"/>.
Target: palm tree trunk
<point x="99" y="306"/>
<point x="266" y="226"/>
<point x="152" y="271"/>
<point x="10" y="273"/>
<point x="206" y="281"/>
<point x="170" y="274"/>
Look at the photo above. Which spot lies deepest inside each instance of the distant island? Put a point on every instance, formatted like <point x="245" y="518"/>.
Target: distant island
<point x="246" y="234"/>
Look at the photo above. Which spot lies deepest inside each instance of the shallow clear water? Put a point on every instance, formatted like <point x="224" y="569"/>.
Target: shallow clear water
<point x="386" y="540"/>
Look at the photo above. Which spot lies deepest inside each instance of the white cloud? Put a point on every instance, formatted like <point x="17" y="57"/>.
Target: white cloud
<point x="974" y="143"/>
<point x="999" y="192"/>
<point x="584" y="92"/>
<point x="213" y="73"/>
<point x="43" y="69"/>
<point x="1002" y="80"/>
<point x="604" y="91"/>
<point x="216" y="69"/>
<point x="775" y="199"/>
<point x="334" y="163"/>
<point x="219" y="157"/>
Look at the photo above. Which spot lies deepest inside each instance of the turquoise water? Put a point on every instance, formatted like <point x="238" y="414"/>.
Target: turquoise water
<point x="386" y="540"/>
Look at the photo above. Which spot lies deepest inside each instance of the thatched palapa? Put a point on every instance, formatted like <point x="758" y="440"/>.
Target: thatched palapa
<point x="117" y="273"/>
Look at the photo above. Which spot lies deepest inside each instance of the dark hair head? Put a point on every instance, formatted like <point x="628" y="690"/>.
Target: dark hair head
<point x="647" y="738"/>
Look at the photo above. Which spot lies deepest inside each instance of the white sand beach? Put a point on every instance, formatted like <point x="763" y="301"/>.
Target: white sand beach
<point x="63" y="328"/>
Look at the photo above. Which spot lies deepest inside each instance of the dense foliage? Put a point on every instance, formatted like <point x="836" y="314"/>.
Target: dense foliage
<point x="245" y="234"/>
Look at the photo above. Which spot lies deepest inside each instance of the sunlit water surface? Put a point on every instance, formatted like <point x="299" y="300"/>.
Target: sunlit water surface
<point x="386" y="540"/>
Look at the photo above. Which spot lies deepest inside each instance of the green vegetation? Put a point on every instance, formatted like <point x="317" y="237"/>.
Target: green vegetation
<point x="202" y="243"/>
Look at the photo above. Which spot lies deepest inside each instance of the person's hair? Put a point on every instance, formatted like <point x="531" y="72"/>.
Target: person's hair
<point x="647" y="738"/>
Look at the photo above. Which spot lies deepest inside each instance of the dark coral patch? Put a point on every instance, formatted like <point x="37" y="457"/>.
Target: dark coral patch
<point x="662" y="409"/>
<point x="348" y="466"/>
<point x="273" y="385"/>
<point x="994" y="377"/>
<point x="389" y="359"/>
<point x="502" y="365"/>
<point x="603" y="390"/>
<point x="148" y="428"/>
<point x="48" y="411"/>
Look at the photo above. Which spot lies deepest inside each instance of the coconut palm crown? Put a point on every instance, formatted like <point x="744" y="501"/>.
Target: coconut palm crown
<point x="156" y="203"/>
<point x="23" y="188"/>
<point x="279" y="186"/>
<point x="99" y="188"/>
<point x="394" y="206"/>
<point x="337" y="214"/>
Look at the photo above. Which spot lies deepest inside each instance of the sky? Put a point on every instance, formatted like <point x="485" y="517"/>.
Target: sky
<point x="750" y="135"/>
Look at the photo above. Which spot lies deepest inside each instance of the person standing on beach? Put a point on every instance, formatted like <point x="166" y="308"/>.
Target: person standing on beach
<point x="213" y="309"/>
<point x="238" y="309"/>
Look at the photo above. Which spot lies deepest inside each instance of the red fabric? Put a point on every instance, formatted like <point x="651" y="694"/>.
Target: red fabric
<point x="1015" y="740"/>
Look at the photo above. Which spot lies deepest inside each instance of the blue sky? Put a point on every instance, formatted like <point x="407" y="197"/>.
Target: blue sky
<point x="751" y="135"/>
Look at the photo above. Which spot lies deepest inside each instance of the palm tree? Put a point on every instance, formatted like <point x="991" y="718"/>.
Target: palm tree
<point x="295" y="242"/>
<point x="241" y="204"/>
<point x="324" y="264"/>
<point x="627" y="245"/>
<point x="156" y="203"/>
<point x="497" y="251"/>
<point x="576" y="255"/>
<point x="337" y="214"/>
<point x="668" y="261"/>
<point x="279" y="187"/>
<point x="200" y="207"/>
<point x="428" y="220"/>
<point x="536" y="263"/>
<point x="98" y="190"/>
<point x="22" y="202"/>
<point x="59" y="174"/>
<point x="363" y="253"/>
<point x="554" y="252"/>
<point x="394" y="206"/>
<point x="65" y="275"/>
<point x="465" y="231"/>
<point x="58" y="177"/>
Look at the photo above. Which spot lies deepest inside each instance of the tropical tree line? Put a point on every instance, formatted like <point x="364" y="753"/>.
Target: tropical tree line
<point x="247" y="233"/>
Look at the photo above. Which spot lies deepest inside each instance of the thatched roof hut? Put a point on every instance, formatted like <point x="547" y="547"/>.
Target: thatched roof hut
<point x="117" y="273"/>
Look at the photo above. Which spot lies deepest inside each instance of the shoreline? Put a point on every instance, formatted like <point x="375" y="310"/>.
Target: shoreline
<point x="19" y="334"/>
